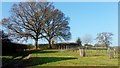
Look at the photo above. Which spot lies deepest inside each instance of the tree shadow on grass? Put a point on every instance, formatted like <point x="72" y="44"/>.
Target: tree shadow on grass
<point x="97" y="55"/>
<point x="10" y="63"/>
<point x="44" y="52"/>
<point x="14" y="55"/>
<point x="23" y="53"/>
<point x="41" y="60"/>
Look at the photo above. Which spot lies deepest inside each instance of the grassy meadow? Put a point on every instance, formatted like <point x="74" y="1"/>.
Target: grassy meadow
<point x="54" y="57"/>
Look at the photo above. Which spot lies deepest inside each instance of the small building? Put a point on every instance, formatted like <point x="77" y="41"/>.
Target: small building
<point x="66" y="45"/>
<point x="63" y="45"/>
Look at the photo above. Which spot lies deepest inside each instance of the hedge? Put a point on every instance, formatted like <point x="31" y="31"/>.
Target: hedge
<point x="9" y="47"/>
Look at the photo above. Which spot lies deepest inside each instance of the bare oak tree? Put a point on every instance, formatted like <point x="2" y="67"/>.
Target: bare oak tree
<point x="27" y="20"/>
<point x="37" y="20"/>
<point x="56" y="26"/>
<point x="104" y="38"/>
<point x="87" y="39"/>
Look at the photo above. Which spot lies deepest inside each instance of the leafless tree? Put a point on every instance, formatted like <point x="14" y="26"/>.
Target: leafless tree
<point x="57" y="26"/>
<point x="37" y="20"/>
<point x="87" y="39"/>
<point x="104" y="38"/>
<point x="27" y="20"/>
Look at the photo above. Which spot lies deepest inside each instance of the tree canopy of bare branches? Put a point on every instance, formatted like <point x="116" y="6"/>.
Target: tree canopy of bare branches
<point x="104" y="38"/>
<point x="87" y="39"/>
<point x="37" y="20"/>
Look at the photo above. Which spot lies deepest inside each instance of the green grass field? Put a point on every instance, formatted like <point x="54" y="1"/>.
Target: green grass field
<point x="67" y="58"/>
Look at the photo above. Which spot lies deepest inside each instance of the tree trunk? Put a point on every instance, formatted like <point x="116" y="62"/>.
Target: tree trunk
<point x="36" y="43"/>
<point x="107" y="47"/>
<point x="50" y="45"/>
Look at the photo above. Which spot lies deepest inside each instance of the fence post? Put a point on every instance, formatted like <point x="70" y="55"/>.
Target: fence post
<point x="110" y="53"/>
<point x="82" y="52"/>
<point x="114" y="52"/>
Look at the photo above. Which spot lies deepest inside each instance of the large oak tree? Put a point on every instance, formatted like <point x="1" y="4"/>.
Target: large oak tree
<point x="56" y="26"/>
<point x="37" y="20"/>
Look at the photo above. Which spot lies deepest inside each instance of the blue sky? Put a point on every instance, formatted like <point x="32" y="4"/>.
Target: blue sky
<point x="85" y="18"/>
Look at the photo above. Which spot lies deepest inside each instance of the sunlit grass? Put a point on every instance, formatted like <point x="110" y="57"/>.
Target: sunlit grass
<point x="54" y="57"/>
<point x="93" y="58"/>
